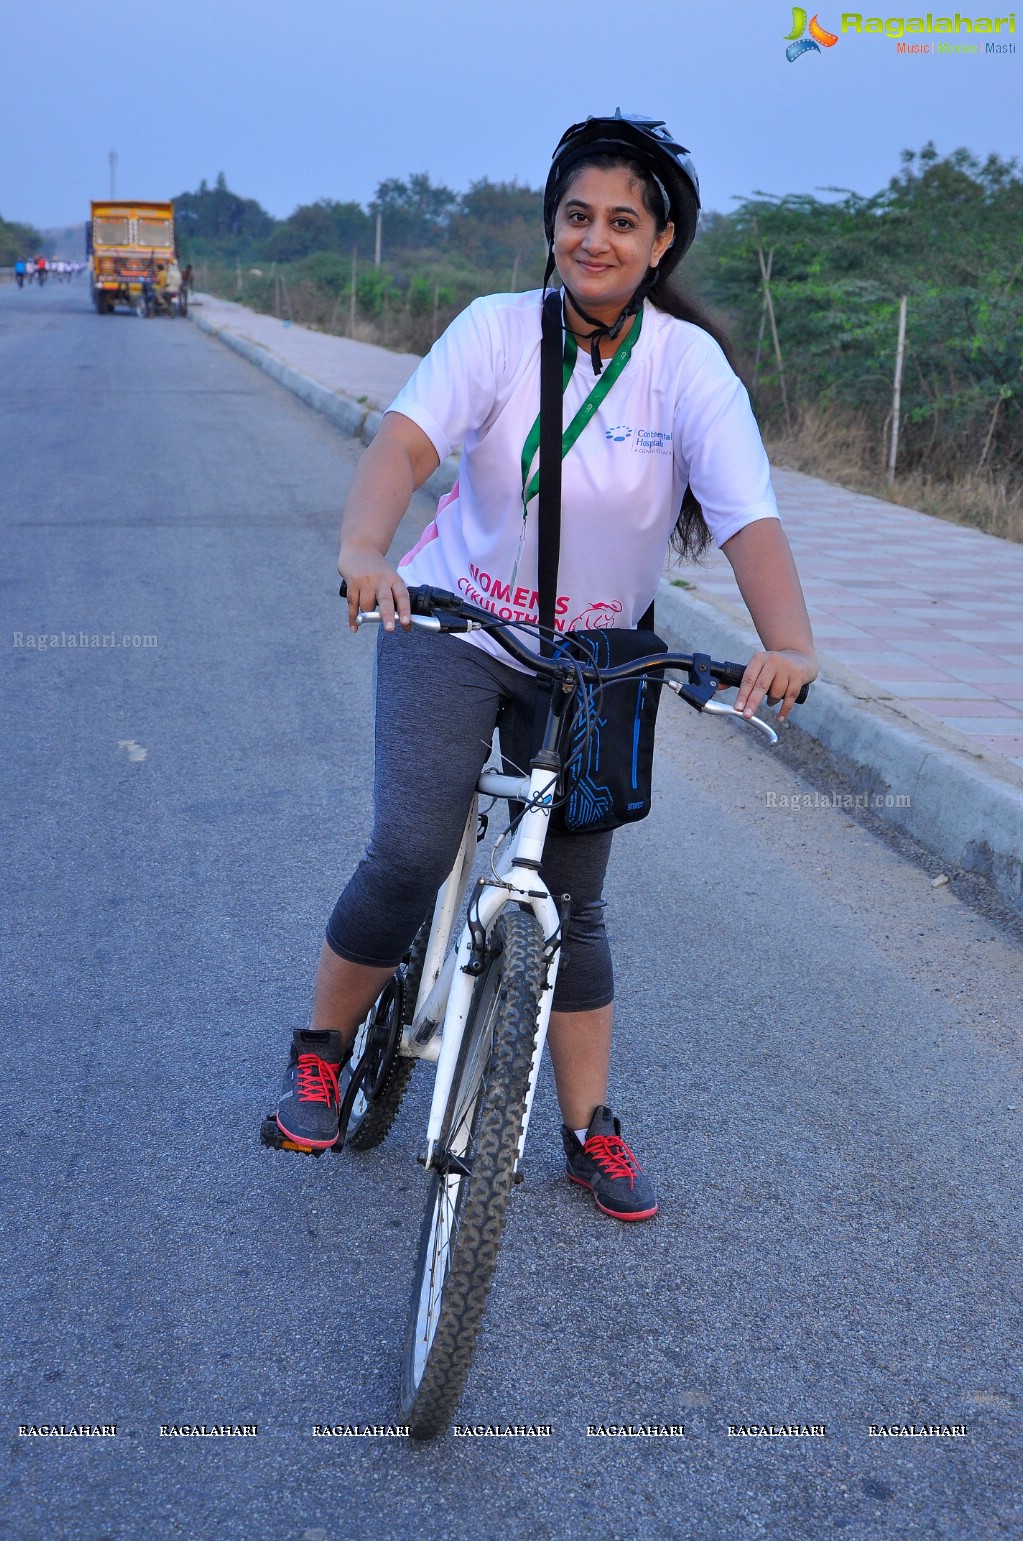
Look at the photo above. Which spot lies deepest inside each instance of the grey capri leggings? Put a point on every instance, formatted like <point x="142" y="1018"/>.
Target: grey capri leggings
<point x="438" y="700"/>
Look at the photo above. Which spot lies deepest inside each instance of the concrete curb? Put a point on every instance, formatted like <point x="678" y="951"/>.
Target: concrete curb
<point x="963" y="805"/>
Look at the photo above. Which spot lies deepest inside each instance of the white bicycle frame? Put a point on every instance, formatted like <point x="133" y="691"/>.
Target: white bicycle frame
<point x="446" y="991"/>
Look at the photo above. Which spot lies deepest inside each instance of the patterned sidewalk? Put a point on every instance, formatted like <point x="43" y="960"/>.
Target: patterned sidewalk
<point x="925" y="611"/>
<point x="929" y="612"/>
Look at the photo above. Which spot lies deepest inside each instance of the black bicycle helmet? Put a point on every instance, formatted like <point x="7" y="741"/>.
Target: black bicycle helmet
<point x="646" y="140"/>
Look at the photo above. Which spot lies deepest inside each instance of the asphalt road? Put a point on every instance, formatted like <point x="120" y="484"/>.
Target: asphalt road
<point x="818" y="1058"/>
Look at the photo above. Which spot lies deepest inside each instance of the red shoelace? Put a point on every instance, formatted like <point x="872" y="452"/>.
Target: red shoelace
<point x="613" y="1156"/>
<point x="317" y="1080"/>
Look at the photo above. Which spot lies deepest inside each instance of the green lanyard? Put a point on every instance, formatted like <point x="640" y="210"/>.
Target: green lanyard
<point x="531" y="485"/>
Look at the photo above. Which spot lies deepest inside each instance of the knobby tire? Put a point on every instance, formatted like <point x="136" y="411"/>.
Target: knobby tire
<point x="465" y="1215"/>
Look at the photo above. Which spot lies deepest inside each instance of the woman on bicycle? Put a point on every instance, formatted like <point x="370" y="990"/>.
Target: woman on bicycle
<point x="675" y="431"/>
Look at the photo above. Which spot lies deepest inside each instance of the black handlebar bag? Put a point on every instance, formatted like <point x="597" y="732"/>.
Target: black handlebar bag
<point x="607" y="738"/>
<point x="607" y="742"/>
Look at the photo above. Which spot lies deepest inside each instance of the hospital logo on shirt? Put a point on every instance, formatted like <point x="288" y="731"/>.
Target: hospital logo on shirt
<point x="644" y="440"/>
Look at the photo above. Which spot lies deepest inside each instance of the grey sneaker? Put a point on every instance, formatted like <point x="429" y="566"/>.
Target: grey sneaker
<point x="308" y="1106"/>
<point x="606" y="1166"/>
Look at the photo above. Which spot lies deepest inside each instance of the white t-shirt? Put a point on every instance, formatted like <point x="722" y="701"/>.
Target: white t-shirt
<point x="677" y="413"/>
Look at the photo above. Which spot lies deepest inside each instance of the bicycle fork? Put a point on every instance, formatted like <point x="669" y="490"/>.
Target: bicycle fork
<point x="517" y="882"/>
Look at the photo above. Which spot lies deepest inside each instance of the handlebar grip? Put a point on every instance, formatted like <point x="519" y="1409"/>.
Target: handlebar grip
<point x="729" y="673"/>
<point x="423" y="599"/>
<point x="732" y="673"/>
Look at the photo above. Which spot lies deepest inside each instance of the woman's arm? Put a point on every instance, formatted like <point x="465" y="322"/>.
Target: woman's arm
<point x="399" y="460"/>
<point x="768" y="582"/>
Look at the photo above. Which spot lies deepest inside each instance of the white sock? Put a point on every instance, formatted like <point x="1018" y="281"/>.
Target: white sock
<point x="581" y="1134"/>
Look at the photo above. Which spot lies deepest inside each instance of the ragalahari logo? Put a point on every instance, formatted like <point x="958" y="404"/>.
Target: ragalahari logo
<point x="798" y="44"/>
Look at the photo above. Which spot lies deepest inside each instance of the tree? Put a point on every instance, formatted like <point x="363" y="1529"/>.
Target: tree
<point x="18" y="241"/>
<point x="414" y="213"/>
<point x="321" y="227"/>
<point x="946" y="232"/>
<point x="219" y="222"/>
<point x="500" y="225"/>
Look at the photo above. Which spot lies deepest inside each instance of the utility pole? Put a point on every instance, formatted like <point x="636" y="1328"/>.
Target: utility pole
<point x="351" y="309"/>
<point x="900" y="352"/>
<point x="376" y="249"/>
<point x="112" y="157"/>
<point x="763" y="323"/>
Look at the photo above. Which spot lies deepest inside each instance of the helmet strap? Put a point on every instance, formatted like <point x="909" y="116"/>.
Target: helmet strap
<point x="549" y="269"/>
<point x="612" y="332"/>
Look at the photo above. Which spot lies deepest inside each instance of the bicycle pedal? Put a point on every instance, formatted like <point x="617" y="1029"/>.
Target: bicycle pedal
<point x="273" y="1136"/>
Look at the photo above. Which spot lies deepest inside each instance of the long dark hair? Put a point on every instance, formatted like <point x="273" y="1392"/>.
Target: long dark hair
<point x="690" y="537"/>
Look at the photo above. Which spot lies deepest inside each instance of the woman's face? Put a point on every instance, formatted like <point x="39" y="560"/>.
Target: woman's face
<point x="605" y="239"/>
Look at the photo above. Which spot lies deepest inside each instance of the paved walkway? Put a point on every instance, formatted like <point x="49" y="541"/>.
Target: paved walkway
<point x="928" y="612"/>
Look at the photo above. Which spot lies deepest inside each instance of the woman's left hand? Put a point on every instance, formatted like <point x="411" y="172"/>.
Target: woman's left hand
<point x="779" y="676"/>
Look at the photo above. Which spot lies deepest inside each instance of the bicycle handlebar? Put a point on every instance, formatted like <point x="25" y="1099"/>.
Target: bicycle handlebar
<point x="459" y="615"/>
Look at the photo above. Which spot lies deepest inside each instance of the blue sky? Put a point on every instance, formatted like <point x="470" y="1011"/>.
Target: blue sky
<point x="324" y="98"/>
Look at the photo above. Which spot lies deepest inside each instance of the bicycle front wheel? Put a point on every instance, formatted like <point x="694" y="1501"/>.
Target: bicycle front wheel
<point x="467" y="1202"/>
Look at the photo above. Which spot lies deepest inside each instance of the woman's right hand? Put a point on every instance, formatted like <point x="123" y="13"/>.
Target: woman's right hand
<point x="373" y="584"/>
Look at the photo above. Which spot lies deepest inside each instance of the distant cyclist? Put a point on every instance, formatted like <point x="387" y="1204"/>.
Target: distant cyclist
<point x="620" y="209"/>
<point x="19" y="272"/>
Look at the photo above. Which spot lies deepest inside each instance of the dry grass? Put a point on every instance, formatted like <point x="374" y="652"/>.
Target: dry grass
<point x="306" y="304"/>
<point x="844" y="450"/>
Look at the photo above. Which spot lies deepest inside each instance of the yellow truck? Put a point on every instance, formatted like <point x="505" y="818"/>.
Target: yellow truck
<point x="124" y="243"/>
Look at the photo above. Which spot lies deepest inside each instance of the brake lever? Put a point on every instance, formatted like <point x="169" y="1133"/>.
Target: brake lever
<point x="723" y="709"/>
<point x="448" y="623"/>
<point x="425" y="622"/>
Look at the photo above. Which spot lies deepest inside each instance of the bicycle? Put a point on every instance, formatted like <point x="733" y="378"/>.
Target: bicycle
<point x="478" y="1006"/>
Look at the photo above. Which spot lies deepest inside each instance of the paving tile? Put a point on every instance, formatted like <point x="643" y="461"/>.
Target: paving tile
<point x="835" y="641"/>
<point x="983" y="631"/>
<point x="855" y="604"/>
<point x="987" y="707"/>
<point x="937" y="640"/>
<point x="892" y="672"/>
<point x="892" y="665"/>
<point x="900" y="632"/>
<point x="998" y="726"/>
<point x="851" y="642"/>
<point x="929" y="689"/>
<point x="1011" y="745"/>
<point x="929" y="705"/>
<point x="988" y="676"/>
